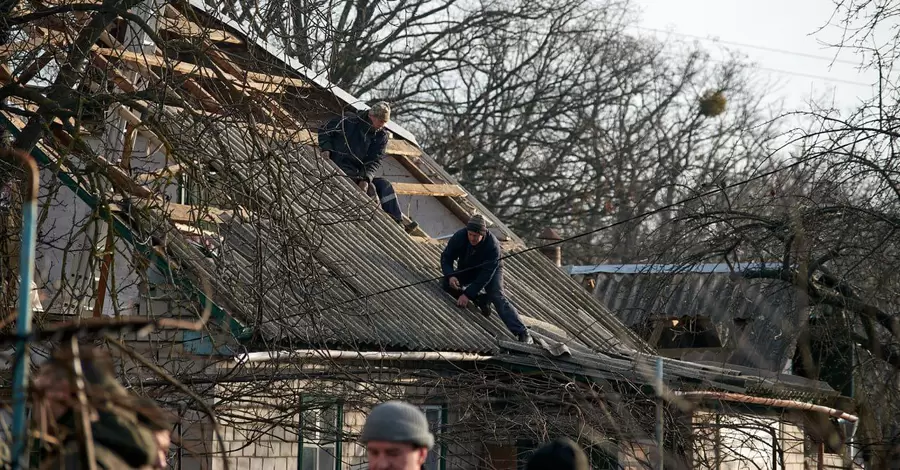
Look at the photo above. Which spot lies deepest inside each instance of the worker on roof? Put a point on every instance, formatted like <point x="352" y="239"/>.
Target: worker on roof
<point x="476" y="253"/>
<point x="356" y="144"/>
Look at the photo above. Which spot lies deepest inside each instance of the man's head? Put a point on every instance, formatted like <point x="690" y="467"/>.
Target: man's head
<point x="380" y="114"/>
<point x="476" y="229"/>
<point x="560" y="454"/>
<point x="53" y="380"/>
<point x="396" y="437"/>
<point x="159" y="423"/>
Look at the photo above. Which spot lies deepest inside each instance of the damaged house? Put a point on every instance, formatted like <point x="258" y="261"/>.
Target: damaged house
<point x="189" y="186"/>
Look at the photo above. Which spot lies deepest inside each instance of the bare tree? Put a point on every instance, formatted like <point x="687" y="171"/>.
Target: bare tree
<point x="828" y="214"/>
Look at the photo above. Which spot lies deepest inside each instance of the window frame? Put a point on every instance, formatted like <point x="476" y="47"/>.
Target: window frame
<point x="316" y="406"/>
<point x="441" y="454"/>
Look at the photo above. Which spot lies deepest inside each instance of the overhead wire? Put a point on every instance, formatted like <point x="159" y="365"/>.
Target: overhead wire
<point x="643" y="215"/>
<point x="750" y="46"/>
<point x="775" y="50"/>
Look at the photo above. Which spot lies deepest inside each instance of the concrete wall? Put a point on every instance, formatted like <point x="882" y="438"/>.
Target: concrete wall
<point x="434" y="218"/>
<point x="71" y="234"/>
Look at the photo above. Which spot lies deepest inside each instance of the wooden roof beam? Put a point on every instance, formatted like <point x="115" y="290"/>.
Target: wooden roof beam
<point x="186" y="68"/>
<point x="187" y="214"/>
<point x="189" y="29"/>
<point x="420" y="189"/>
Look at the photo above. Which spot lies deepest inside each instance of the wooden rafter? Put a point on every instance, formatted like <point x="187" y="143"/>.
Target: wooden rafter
<point x="172" y="24"/>
<point x="167" y="172"/>
<point x="189" y="29"/>
<point x="420" y="175"/>
<point x="436" y="190"/>
<point x="275" y="85"/>
<point x="183" y="213"/>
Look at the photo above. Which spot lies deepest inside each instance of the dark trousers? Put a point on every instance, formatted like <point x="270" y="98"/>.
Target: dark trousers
<point x="493" y="294"/>
<point x="378" y="186"/>
<point x="388" y="198"/>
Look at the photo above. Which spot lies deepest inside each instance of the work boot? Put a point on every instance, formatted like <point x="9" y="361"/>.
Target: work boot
<point x="525" y="337"/>
<point x="411" y="226"/>
<point x="483" y="305"/>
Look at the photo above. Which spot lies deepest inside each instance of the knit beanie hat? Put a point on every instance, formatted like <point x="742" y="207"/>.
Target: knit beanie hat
<point x="381" y="110"/>
<point x="477" y="224"/>
<point x="560" y="454"/>
<point x="397" y="421"/>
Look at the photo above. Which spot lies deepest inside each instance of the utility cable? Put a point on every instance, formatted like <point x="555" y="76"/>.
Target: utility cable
<point x="640" y="216"/>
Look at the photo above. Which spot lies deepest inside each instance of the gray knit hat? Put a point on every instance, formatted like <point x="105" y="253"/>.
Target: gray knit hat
<point x="397" y="421"/>
<point x="477" y="224"/>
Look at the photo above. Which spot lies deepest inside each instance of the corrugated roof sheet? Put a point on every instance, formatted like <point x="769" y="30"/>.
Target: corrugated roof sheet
<point x="768" y="309"/>
<point x="371" y="265"/>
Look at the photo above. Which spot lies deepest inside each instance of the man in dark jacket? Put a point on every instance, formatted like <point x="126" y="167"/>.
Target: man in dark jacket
<point x="356" y="144"/>
<point x="476" y="253"/>
<point x="559" y="454"/>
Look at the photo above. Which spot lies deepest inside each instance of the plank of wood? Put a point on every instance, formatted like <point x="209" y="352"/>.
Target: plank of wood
<point x="420" y="175"/>
<point x="191" y="214"/>
<point x="189" y="29"/>
<point x="166" y="172"/>
<point x="421" y="189"/>
<point x="187" y="214"/>
<point x="277" y="85"/>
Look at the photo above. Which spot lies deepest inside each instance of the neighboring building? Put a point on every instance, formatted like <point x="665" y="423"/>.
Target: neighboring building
<point x="717" y="314"/>
<point x="320" y="305"/>
<point x="706" y="312"/>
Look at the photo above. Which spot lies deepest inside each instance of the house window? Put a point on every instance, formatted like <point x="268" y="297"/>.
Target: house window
<point x="436" y="416"/>
<point x="320" y="437"/>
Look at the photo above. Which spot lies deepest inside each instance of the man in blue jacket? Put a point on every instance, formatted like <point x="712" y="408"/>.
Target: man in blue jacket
<point x="356" y="144"/>
<point x="476" y="253"/>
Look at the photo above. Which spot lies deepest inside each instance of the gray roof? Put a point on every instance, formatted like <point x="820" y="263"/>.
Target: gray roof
<point x="372" y="282"/>
<point x="318" y="263"/>
<point x="768" y="308"/>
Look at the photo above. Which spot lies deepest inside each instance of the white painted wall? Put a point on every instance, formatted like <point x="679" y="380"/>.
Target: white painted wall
<point x="434" y="218"/>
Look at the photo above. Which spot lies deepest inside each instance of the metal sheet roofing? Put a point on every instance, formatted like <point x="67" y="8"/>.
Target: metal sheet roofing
<point x="766" y="310"/>
<point x="363" y="284"/>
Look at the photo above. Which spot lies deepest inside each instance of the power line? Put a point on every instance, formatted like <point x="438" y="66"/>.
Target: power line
<point x="597" y="230"/>
<point x="752" y="46"/>
<point x="780" y="51"/>
<point x="820" y="77"/>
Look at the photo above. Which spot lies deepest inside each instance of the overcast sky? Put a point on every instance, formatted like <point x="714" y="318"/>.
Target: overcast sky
<point x="778" y="35"/>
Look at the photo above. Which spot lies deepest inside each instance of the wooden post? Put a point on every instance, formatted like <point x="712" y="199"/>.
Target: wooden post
<point x="104" y="272"/>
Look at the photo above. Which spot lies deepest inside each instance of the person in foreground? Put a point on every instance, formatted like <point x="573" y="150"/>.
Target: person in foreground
<point x="356" y="144"/>
<point x="127" y="431"/>
<point x="476" y="253"/>
<point x="559" y="454"/>
<point x="396" y="437"/>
